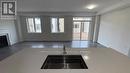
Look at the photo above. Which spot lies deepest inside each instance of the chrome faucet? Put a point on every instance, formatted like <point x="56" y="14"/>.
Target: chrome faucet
<point x="64" y="50"/>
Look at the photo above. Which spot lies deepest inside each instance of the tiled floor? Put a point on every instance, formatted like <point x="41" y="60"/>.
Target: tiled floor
<point x="7" y="51"/>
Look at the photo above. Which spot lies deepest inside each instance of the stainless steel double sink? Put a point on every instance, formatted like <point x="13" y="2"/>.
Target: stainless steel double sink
<point x="64" y="62"/>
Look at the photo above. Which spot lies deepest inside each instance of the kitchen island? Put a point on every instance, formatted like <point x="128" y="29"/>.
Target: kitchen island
<point x="98" y="60"/>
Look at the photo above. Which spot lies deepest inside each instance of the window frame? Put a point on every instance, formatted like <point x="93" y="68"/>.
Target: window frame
<point x="27" y="25"/>
<point x="57" y="24"/>
<point x="83" y="17"/>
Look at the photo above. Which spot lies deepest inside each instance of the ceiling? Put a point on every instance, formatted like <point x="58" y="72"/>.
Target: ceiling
<point x="64" y="5"/>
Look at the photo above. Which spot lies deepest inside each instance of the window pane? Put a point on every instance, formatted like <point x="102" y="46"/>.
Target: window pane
<point x="57" y="25"/>
<point x="61" y="24"/>
<point x="77" y="26"/>
<point x="86" y="27"/>
<point x="54" y="26"/>
<point x="30" y="25"/>
<point x="38" y="25"/>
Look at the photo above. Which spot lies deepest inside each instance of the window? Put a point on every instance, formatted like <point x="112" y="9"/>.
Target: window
<point x="83" y="22"/>
<point x="82" y="18"/>
<point x="33" y="25"/>
<point x="76" y="25"/>
<point x="57" y="25"/>
<point x="81" y="27"/>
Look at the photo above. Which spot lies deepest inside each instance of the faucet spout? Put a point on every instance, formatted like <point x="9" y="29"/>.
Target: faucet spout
<point x="64" y="50"/>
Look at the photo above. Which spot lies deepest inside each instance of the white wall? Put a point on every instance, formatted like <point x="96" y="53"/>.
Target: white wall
<point x="46" y="34"/>
<point x="115" y="30"/>
<point x="96" y="28"/>
<point x="8" y="26"/>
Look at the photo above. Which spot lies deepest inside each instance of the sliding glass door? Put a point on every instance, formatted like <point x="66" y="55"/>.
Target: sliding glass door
<point x="80" y="28"/>
<point x="76" y="30"/>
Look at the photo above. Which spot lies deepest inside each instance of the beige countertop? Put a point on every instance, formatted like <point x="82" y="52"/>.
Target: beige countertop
<point x="98" y="60"/>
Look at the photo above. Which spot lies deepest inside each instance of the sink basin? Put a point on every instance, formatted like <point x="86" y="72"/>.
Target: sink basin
<point x="64" y="62"/>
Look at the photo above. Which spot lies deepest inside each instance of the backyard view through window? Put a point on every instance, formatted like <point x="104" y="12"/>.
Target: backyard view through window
<point x="57" y="25"/>
<point x="81" y="27"/>
<point x="33" y="25"/>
